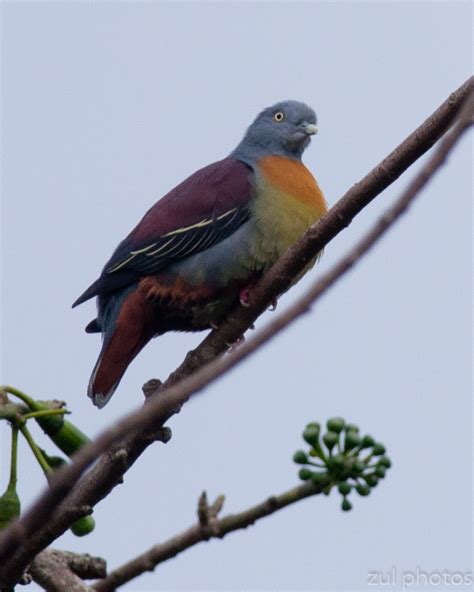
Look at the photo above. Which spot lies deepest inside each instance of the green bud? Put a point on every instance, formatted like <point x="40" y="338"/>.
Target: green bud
<point x="346" y="505"/>
<point x="55" y="462"/>
<point x="313" y="452"/>
<point x="371" y="479"/>
<point x="305" y="474"/>
<point x="313" y="424"/>
<point x="344" y="488"/>
<point x="350" y="427"/>
<point x="330" y="439"/>
<point x="380" y="472"/>
<point x="357" y="467"/>
<point x="385" y="462"/>
<point x="378" y="449"/>
<point x="351" y="441"/>
<point x="367" y="441"/>
<point x="83" y="526"/>
<point x="319" y="478"/>
<point x="337" y="462"/>
<point x="300" y="457"/>
<point x="63" y="433"/>
<point x="335" y="424"/>
<point x="9" y="506"/>
<point x="311" y="434"/>
<point x="362" y="489"/>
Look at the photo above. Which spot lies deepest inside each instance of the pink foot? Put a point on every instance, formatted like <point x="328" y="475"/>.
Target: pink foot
<point x="244" y="297"/>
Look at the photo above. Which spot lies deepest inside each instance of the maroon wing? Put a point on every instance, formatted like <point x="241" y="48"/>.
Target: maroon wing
<point x="203" y="210"/>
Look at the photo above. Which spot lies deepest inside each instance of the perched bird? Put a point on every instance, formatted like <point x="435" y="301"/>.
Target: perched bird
<point x="201" y="247"/>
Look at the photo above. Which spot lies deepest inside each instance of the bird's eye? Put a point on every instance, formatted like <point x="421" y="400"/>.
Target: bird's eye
<point x="279" y="116"/>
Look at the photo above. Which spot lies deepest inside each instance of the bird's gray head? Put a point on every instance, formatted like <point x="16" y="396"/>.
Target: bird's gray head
<point x="285" y="129"/>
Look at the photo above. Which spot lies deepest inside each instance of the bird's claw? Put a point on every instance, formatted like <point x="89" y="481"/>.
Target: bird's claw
<point x="273" y="304"/>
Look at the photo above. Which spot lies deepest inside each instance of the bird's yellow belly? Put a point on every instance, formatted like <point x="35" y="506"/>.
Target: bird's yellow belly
<point x="288" y="201"/>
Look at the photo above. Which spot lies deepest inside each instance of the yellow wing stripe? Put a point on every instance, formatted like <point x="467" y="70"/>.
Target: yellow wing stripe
<point x="227" y="213"/>
<point x="204" y="222"/>
<point x="160" y="248"/>
<point x="173" y="234"/>
<point x="143" y="250"/>
<point x="121" y="264"/>
<point x="200" y="224"/>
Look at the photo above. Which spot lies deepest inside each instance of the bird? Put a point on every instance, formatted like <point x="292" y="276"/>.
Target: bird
<point x="201" y="248"/>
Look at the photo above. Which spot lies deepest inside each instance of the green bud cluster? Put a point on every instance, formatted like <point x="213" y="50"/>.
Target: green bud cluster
<point x="340" y="456"/>
<point x="67" y="437"/>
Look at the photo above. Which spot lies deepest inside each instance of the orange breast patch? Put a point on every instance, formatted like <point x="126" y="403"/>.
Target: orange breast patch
<point x="293" y="178"/>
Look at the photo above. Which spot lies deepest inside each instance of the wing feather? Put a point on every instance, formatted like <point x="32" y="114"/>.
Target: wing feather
<point x="180" y="243"/>
<point x="203" y="210"/>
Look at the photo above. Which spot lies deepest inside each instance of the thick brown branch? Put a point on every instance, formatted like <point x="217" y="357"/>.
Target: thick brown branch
<point x="197" y="533"/>
<point x="84" y="565"/>
<point x="34" y="532"/>
<point x="62" y="571"/>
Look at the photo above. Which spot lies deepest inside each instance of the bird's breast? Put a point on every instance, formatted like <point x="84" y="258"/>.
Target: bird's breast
<point x="288" y="200"/>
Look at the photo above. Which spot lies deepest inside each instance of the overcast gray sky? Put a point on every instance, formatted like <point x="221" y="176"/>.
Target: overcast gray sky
<point x="107" y="106"/>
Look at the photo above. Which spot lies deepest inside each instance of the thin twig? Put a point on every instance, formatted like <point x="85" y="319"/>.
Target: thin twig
<point x="45" y="520"/>
<point x="198" y="533"/>
<point x="35" y="449"/>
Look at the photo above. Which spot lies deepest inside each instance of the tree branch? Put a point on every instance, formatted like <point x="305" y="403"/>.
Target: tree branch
<point x="48" y="517"/>
<point x="84" y="565"/>
<point x="280" y="276"/>
<point x="63" y="571"/>
<point x="211" y="529"/>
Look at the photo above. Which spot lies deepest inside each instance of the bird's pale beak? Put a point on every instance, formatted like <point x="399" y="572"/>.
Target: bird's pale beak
<point x="310" y="128"/>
